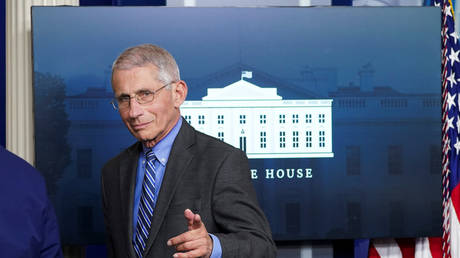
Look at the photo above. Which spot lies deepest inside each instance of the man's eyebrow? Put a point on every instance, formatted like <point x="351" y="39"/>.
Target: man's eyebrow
<point x="144" y="90"/>
<point x="138" y="91"/>
<point x="122" y="95"/>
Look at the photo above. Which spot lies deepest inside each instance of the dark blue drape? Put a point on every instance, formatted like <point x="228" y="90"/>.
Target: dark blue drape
<point x="342" y="2"/>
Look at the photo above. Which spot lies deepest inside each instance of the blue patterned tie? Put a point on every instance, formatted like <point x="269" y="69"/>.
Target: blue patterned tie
<point x="146" y="205"/>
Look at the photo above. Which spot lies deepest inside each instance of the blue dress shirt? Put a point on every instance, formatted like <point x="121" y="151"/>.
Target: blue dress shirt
<point x="162" y="150"/>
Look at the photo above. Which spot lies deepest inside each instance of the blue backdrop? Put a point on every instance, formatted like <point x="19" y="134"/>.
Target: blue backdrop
<point x="379" y="65"/>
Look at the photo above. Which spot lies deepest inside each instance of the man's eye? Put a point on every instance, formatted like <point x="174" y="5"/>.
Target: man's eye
<point x="145" y="94"/>
<point x="123" y="99"/>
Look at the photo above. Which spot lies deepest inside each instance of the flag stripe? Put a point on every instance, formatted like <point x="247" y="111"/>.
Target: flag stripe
<point x="407" y="246"/>
<point x="454" y="223"/>
<point x="435" y="247"/>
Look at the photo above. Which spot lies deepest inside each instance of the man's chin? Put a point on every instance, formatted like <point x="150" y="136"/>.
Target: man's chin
<point x="149" y="143"/>
<point x="146" y="141"/>
<point x="141" y="136"/>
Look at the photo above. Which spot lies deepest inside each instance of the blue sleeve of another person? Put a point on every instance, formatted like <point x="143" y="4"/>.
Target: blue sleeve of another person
<point x="27" y="220"/>
<point x="51" y="246"/>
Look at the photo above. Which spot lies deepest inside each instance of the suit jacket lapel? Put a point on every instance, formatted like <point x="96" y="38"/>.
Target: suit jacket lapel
<point x="179" y="159"/>
<point x="128" y="173"/>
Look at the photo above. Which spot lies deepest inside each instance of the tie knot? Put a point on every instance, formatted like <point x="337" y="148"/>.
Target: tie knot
<point x="150" y="156"/>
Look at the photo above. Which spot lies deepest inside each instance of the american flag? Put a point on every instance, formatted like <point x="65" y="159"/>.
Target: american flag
<point x="246" y="74"/>
<point x="423" y="247"/>
<point x="450" y="130"/>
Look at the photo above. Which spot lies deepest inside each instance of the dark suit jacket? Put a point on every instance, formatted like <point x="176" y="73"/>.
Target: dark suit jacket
<point x="203" y="174"/>
<point x="28" y="225"/>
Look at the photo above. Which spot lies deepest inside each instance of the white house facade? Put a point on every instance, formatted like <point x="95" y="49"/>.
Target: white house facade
<point x="261" y="123"/>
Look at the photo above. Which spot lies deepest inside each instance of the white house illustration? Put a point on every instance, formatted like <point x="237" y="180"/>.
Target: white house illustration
<point x="258" y="121"/>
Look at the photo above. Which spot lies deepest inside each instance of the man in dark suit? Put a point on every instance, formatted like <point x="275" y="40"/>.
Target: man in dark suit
<point x="176" y="192"/>
<point x="28" y="225"/>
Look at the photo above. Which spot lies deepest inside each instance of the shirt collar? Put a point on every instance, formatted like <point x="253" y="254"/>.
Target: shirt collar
<point x="163" y="147"/>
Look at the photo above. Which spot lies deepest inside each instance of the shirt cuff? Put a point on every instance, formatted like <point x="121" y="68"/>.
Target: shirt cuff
<point x="216" y="247"/>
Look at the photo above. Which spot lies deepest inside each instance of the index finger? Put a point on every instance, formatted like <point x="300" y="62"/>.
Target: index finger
<point x="189" y="216"/>
<point x="182" y="238"/>
<point x="193" y="220"/>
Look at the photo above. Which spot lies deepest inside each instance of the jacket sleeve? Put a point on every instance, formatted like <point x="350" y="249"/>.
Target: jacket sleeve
<point x="51" y="246"/>
<point x="245" y="230"/>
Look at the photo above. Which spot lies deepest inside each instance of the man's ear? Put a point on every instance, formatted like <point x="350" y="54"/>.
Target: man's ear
<point x="179" y="93"/>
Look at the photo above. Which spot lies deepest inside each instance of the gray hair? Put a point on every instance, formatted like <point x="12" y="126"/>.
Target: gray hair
<point x="145" y="54"/>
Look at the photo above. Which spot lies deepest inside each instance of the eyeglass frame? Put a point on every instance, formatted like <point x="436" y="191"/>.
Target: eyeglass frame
<point x="116" y="105"/>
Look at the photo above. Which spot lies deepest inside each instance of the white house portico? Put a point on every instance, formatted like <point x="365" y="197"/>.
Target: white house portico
<point x="261" y="123"/>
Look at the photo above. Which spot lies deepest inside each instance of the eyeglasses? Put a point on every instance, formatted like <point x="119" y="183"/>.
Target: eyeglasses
<point x="142" y="97"/>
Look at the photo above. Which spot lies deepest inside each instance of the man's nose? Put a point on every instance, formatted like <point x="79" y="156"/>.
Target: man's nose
<point x="135" y="109"/>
